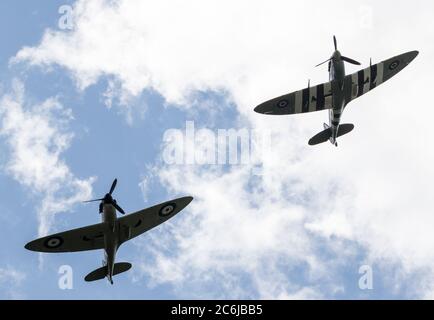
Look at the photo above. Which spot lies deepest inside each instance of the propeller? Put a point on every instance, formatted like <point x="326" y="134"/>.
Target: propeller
<point x="350" y="61"/>
<point x="93" y="200"/>
<point x="346" y="59"/>
<point x="108" y="199"/>
<point x="112" y="188"/>
<point x="323" y="62"/>
<point x="118" y="207"/>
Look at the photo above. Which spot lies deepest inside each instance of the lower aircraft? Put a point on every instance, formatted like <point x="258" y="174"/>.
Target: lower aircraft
<point x="109" y="234"/>
<point x="337" y="93"/>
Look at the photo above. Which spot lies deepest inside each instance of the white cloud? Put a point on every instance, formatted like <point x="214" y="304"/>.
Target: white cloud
<point x="375" y="190"/>
<point x="10" y="281"/>
<point x="11" y="275"/>
<point x="222" y="237"/>
<point x="36" y="136"/>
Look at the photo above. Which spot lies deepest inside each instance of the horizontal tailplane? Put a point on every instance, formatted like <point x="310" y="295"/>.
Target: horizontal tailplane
<point x="321" y="137"/>
<point x="345" y="128"/>
<point x="97" y="274"/>
<point x="326" y="134"/>
<point x="121" y="267"/>
<point x="101" y="273"/>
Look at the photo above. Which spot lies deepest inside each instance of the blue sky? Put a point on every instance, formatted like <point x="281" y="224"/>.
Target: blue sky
<point x="103" y="96"/>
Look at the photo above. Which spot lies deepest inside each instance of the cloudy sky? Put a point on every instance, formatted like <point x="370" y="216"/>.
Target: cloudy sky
<point x="97" y="89"/>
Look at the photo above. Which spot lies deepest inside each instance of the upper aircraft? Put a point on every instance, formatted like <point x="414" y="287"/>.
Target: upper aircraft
<point x="337" y="93"/>
<point x="109" y="234"/>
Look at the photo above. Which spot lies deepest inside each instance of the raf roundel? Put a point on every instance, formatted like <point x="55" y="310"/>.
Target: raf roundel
<point x="282" y="103"/>
<point x="167" y="210"/>
<point x="394" y="65"/>
<point x="53" y="242"/>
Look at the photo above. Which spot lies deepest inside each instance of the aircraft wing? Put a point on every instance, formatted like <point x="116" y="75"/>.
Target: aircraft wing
<point x="81" y="239"/>
<point x="309" y="99"/>
<point x="141" y="221"/>
<point x="369" y="78"/>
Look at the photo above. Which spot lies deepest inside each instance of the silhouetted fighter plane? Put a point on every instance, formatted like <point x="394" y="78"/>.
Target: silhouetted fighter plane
<point x="337" y="93"/>
<point x="110" y="233"/>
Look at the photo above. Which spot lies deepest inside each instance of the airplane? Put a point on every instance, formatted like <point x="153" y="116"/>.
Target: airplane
<point x="110" y="234"/>
<point x="337" y="93"/>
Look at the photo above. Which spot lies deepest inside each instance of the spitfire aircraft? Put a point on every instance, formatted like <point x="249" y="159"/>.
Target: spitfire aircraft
<point x="337" y="93"/>
<point x="109" y="234"/>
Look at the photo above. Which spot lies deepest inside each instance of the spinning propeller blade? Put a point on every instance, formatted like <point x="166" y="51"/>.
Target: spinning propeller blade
<point x="323" y="62"/>
<point x="108" y="199"/>
<point x="351" y="61"/>
<point x="346" y="59"/>
<point x="93" y="200"/>
<point x="118" y="208"/>
<point x="115" y="181"/>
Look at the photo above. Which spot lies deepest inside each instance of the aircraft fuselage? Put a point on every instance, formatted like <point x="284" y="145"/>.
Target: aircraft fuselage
<point x="337" y="76"/>
<point x="111" y="240"/>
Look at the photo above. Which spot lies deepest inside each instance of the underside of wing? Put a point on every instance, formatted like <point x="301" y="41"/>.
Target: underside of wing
<point x="141" y="221"/>
<point x="307" y="100"/>
<point x="363" y="81"/>
<point x="81" y="239"/>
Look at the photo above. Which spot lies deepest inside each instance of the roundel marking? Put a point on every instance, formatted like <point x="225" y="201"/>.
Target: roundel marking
<point x="282" y="103"/>
<point x="167" y="209"/>
<point x="138" y="223"/>
<point x="394" y="65"/>
<point x="53" y="242"/>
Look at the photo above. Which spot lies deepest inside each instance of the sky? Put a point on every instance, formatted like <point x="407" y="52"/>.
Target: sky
<point x="96" y="90"/>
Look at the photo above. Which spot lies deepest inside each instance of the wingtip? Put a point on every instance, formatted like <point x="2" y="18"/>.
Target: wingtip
<point x="189" y="199"/>
<point x="413" y="54"/>
<point x="185" y="200"/>
<point x="28" y="246"/>
<point x="261" y="109"/>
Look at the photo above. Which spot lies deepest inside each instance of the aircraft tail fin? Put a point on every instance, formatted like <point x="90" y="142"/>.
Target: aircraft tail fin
<point x="101" y="273"/>
<point x="326" y="134"/>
